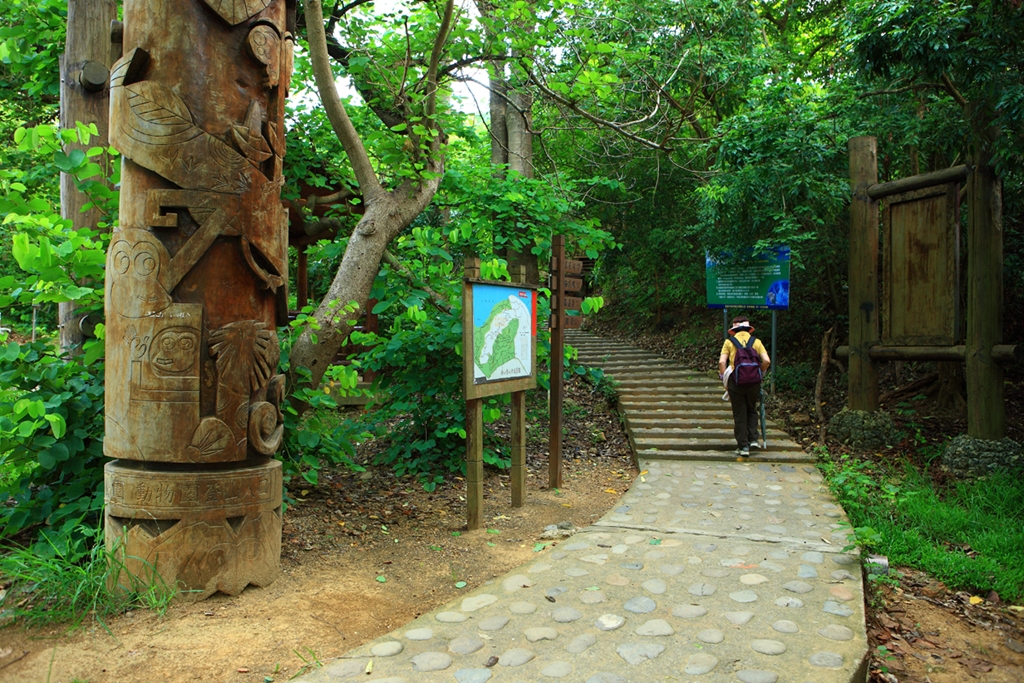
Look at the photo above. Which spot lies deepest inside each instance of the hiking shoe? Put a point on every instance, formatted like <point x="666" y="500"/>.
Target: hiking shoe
<point x="756" y="444"/>
<point x="743" y="452"/>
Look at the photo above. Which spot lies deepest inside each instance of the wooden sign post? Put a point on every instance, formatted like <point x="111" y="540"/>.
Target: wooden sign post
<point x="499" y="356"/>
<point x="562" y="281"/>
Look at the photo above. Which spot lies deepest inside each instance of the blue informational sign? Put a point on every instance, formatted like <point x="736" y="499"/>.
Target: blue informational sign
<point x="762" y="281"/>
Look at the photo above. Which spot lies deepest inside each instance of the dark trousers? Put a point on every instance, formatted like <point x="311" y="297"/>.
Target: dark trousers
<point x="744" y="412"/>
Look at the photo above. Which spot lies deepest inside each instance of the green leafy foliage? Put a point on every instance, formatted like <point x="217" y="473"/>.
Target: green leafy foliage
<point x="51" y="426"/>
<point x="968" y="535"/>
<point x="318" y="436"/>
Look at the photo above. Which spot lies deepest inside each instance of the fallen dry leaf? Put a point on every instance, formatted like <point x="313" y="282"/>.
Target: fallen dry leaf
<point x="975" y="600"/>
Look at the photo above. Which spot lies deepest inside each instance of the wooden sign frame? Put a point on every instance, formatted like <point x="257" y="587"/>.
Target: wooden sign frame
<point x="475" y="393"/>
<point x="471" y="389"/>
<point x="921" y="232"/>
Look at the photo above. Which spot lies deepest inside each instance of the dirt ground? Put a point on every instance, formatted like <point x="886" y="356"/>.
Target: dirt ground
<point x="363" y="553"/>
<point x="922" y="632"/>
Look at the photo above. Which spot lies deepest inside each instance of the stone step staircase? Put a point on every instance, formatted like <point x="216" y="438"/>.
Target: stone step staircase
<point x="672" y="413"/>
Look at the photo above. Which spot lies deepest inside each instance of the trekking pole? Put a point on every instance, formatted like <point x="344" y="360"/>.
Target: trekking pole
<point x="764" y="431"/>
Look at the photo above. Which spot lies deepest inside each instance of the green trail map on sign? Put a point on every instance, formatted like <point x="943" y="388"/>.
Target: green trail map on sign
<point x="502" y="333"/>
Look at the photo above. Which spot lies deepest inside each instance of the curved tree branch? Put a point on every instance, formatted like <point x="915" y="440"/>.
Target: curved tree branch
<point x="335" y="110"/>
<point x="435" y="58"/>
<point x="572" y="106"/>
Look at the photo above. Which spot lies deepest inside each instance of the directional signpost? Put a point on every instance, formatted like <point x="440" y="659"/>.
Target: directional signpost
<point x="563" y="271"/>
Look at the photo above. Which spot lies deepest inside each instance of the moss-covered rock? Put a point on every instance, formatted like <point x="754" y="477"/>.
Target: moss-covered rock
<point x="863" y="431"/>
<point x="968" y="456"/>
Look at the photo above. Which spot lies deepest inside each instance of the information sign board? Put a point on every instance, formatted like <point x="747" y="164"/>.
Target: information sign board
<point x="573" y="266"/>
<point x="500" y="349"/>
<point x="761" y="281"/>
<point x="572" y="322"/>
<point x="573" y="284"/>
<point x="571" y="303"/>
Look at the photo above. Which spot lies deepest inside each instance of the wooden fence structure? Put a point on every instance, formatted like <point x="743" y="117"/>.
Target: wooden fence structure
<point x="921" y="299"/>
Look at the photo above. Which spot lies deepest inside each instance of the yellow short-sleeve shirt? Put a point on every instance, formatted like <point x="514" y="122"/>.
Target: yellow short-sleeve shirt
<point x="729" y="349"/>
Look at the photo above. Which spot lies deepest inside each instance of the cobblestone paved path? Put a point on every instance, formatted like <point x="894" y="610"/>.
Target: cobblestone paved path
<point x="706" y="570"/>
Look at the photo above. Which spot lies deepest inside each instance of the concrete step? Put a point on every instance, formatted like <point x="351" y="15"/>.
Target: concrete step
<point x="700" y="390"/>
<point x="669" y="381"/>
<point x="696" y="433"/>
<point x="723" y="444"/>
<point x="668" y="373"/>
<point x="770" y="455"/>
<point x="631" y="403"/>
<point x="596" y="346"/>
<point x="617" y="357"/>
<point x="669" y="411"/>
<point x="672" y="374"/>
<point x="710" y="422"/>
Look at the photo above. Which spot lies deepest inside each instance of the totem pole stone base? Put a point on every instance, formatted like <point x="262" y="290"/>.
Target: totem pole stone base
<point x="196" y="287"/>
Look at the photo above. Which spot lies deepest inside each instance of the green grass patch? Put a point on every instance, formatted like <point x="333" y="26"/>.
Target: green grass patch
<point x="62" y="590"/>
<point x="968" y="534"/>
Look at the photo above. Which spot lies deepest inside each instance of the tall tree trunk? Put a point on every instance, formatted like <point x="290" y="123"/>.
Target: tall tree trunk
<point x="387" y="212"/>
<point x="519" y="122"/>
<point x="85" y="98"/>
<point x="498" y="111"/>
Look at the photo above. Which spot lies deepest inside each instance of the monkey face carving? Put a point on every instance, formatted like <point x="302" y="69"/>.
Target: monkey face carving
<point x="175" y="352"/>
<point x="134" y="262"/>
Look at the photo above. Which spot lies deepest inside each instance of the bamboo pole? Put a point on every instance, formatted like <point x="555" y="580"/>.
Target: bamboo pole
<point x="1001" y="353"/>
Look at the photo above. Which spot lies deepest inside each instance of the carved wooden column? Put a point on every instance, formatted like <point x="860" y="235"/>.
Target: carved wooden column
<point x="195" y="287"/>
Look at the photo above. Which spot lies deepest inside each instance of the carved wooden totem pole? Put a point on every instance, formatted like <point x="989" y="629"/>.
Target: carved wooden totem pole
<point x="195" y="287"/>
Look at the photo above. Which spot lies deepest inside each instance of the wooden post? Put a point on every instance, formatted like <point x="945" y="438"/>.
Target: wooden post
<point x="863" y="274"/>
<point x="986" y="413"/>
<point x="557" y="361"/>
<point x="196" y="289"/>
<point x="474" y="463"/>
<point x="85" y="98"/>
<point x="474" y="421"/>
<point x="518" y="448"/>
<point x="519" y="430"/>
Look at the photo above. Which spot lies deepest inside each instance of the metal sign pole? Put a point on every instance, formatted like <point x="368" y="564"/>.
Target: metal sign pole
<point x="775" y="319"/>
<point x="725" y="323"/>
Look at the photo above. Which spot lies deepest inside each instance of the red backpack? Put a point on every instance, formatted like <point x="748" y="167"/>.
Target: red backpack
<point x="746" y="367"/>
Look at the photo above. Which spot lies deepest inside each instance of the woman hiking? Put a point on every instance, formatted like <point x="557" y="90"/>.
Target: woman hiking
<point x="741" y="366"/>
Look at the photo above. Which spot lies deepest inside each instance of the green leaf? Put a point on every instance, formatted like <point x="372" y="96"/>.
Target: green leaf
<point x="12" y="352"/>
<point x="460" y="584"/>
<point x="57" y="425"/>
<point x="381" y="579"/>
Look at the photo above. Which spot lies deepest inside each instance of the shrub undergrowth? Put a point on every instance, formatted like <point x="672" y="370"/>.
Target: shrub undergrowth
<point x="968" y="534"/>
